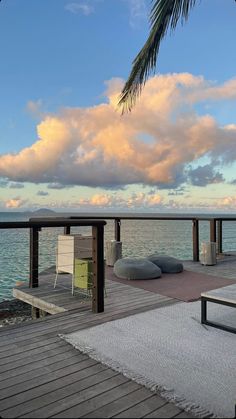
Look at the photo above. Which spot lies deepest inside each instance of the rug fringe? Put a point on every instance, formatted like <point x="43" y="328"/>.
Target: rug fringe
<point x="166" y="393"/>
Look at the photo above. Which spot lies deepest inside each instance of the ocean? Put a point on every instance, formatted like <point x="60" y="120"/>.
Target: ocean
<point x="139" y="238"/>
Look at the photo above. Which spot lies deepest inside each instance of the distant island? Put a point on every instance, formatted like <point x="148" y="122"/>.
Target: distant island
<point x="41" y="212"/>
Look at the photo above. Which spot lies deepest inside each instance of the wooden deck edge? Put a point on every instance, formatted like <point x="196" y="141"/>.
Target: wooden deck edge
<point x="37" y="302"/>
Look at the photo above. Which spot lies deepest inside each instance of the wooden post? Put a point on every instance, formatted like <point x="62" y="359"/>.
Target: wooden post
<point x="35" y="313"/>
<point x="219" y="237"/>
<point x="67" y="230"/>
<point x="117" y="229"/>
<point x="34" y="257"/>
<point x="195" y="233"/>
<point x="98" y="269"/>
<point x="213" y="230"/>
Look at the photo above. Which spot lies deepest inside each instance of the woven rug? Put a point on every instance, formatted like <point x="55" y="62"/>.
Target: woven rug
<point x="185" y="286"/>
<point x="168" y="350"/>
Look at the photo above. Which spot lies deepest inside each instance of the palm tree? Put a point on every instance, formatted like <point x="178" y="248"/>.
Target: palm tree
<point x="164" y="14"/>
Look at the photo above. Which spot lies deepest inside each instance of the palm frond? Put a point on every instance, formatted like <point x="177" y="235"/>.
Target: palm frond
<point x="164" y="14"/>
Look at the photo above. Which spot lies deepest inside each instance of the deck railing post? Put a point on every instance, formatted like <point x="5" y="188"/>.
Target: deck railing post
<point x="98" y="269"/>
<point x="219" y="237"/>
<point x="195" y="233"/>
<point x="67" y="230"/>
<point x="213" y="230"/>
<point x="117" y="229"/>
<point x="34" y="257"/>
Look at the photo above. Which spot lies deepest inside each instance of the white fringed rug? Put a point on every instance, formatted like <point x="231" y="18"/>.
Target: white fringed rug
<point x="167" y="349"/>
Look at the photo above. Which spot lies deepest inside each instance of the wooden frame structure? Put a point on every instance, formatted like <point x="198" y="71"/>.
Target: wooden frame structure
<point x="35" y="225"/>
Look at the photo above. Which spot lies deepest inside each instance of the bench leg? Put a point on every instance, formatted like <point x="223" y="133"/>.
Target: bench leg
<point x="203" y="311"/>
<point x="211" y="323"/>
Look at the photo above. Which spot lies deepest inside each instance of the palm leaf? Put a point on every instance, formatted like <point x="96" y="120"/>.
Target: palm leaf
<point x="164" y="14"/>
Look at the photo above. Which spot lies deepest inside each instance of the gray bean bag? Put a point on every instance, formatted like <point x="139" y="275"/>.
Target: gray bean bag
<point x="167" y="264"/>
<point x="136" y="268"/>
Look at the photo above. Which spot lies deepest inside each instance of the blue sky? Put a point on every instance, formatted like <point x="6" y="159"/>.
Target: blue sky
<point x="63" y="144"/>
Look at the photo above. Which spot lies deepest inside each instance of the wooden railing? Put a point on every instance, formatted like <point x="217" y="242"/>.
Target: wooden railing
<point x="215" y="226"/>
<point x="97" y="222"/>
<point x="215" y="223"/>
<point x="35" y="225"/>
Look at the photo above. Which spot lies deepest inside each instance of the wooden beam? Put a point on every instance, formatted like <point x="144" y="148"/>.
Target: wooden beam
<point x="34" y="257"/>
<point x="219" y="237"/>
<point x="117" y="229"/>
<point x="67" y="230"/>
<point x="37" y="302"/>
<point x="213" y="230"/>
<point x="195" y="234"/>
<point x="98" y="269"/>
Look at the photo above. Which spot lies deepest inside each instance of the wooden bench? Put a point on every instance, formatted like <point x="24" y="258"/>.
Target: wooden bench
<point x="225" y="296"/>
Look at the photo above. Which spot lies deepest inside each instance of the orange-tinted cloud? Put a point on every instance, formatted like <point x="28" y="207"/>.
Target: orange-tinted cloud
<point x="116" y="201"/>
<point x="15" y="203"/>
<point x="154" y="144"/>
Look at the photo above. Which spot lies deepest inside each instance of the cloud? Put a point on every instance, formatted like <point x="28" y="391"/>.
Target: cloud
<point x="228" y="202"/>
<point x="57" y="185"/>
<point x="204" y="175"/>
<point x="35" y="108"/>
<point x="3" y="183"/>
<point x="98" y="147"/>
<point x="16" y="185"/>
<point x="135" y="200"/>
<point x="82" y="8"/>
<point x="138" y="12"/>
<point x="42" y="193"/>
<point x="15" y="203"/>
<point x="177" y="192"/>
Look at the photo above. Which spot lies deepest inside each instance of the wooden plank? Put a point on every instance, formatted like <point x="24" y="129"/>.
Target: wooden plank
<point x="28" y="384"/>
<point x="168" y="410"/>
<point x="11" y="350"/>
<point x="116" y="303"/>
<point x="121" y="404"/>
<point x="75" y="390"/>
<point x="54" y="303"/>
<point x="86" y="369"/>
<point x="64" y="407"/>
<point x="67" y="326"/>
<point x="39" y="292"/>
<point x="53" y="364"/>
<point x="46" y="352"/>
<point x="90" y="320"/>
<point x="10" y="330"/>
<point x="141" y="409"/>
<point x="63" y="352"/>
<point x="44" y="376"/>
<point x="91" y="405"/>
<point x="185" y="415"/>
<point x="37" y="302"/>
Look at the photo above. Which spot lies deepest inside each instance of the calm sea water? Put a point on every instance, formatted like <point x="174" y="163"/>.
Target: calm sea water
<point x="139" y="238"/>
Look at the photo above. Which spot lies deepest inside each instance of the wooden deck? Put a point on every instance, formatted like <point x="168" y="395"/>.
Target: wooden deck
<point x="49" y="299"/>
<point x="43" y="376"/>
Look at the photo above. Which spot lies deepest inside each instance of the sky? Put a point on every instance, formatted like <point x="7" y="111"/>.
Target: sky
<point x="64" y="144"/>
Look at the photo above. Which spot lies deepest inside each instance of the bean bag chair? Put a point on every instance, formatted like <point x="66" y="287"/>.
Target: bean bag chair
<point x="136" y="268"/>
<point x="167" y="264"/>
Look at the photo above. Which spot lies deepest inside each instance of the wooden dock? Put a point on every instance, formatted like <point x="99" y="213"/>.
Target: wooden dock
<point x="43" y="376"/>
